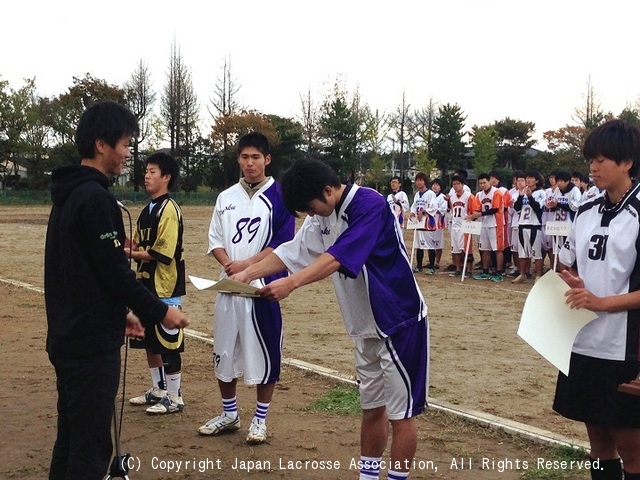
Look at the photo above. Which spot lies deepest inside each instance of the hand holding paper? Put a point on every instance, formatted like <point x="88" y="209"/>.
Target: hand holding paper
<point x="226" y="286"/>
<point x="548" y="324"/>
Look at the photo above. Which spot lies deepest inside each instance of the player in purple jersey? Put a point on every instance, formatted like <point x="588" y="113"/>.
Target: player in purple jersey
<point x="351" y="234"/>
<point x="601" y="264"/>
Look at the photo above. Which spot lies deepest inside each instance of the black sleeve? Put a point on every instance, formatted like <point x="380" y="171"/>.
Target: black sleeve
<point x="491" y="211"/>
<point x="104" y="229"/>
<point x="518" y="205"/>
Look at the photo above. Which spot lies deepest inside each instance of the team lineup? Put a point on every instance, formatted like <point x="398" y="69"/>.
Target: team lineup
<point x="353" y="235"/>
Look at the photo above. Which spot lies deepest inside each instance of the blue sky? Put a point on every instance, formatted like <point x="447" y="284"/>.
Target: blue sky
<point x="495" y="58"/>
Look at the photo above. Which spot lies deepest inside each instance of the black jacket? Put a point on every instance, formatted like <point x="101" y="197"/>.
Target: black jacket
<point x="88" y="280"/>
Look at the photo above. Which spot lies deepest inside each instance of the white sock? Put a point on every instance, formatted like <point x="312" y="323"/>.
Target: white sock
<point x="173" y="384"/>
<point x="158" y="379"/>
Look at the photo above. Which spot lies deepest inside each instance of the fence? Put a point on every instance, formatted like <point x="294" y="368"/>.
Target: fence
<point x="43" y="197"/>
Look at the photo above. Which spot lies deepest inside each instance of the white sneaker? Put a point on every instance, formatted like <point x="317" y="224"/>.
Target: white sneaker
<point x="150" y="397"/>
<point x="257" y="432"/>
<point x="220" y="424"/>
<point x="519" y="279"/>
<point x="167" y="404"/>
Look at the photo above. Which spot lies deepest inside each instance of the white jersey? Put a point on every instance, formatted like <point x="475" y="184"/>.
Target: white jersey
<point x="604" y="242"/>
<point x="399" y="204"/>
<point x="531" y="208"/>
<point x="513" y="215"/>
<point x="245" y="226"/>
<point x="593" y="192"/>
<point x="568" y="204"/>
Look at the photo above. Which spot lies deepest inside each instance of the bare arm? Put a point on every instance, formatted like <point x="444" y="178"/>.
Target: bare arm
<point x="321" y="268"/>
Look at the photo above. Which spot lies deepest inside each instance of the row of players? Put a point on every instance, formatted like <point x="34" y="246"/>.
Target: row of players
<point x="513" y="221"/>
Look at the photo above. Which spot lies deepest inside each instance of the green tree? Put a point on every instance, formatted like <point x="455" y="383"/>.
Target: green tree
<point x="484" y="148"/>
<point x="630" y="115"/>
<point x="63" y="112"/>
<point x="339" y="132"/>
<point x="287" y="150"/>
<point x="513" y="140"/>
<point x="447" y="147"/>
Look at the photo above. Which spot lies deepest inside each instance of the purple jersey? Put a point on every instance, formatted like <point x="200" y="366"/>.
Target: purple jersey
<point x="375" y="286"/>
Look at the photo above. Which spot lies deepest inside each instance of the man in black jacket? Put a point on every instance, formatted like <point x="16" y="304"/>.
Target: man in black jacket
<point x="89" y="286"/>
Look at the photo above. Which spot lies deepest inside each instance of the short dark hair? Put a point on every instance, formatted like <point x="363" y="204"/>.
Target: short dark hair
<point x="563" y="175"/>
<point x="437" y="181"/>
<point x="519" y="174"/>
<point x="462" y="172"/>
<point x="577" y="175"/>
<point x="421" y="176"/>
<point x="457" y="178"/>
<point x="484" y="176"/>
<point x="395" y="177"/>
<point x="495" y="174"/>
<point x="305" y="181"/>
<point x="167" y="165"/>
<point x="107" y="121"/>
<point x="617" y="140"/>
<point x="537" y="175"/>
<point x="257" y="140"/>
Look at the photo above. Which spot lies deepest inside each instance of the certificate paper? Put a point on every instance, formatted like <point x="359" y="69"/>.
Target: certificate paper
<point x="548" y="324"/>
<point x="225" y="286"/>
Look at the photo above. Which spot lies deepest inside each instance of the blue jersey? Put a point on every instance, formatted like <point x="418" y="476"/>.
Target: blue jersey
<point x="375" y="286"/>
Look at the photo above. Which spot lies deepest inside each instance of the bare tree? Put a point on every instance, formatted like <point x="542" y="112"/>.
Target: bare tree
<point x="225" y="101"/>
<point x="401" y="123"/>
<point x="423" y="123"/>
<point x="591" y="113"/>
<point x="225" y="104"/>
<point x="309" y="121"/>
<point x="140" y="98"/>
<point x="180" y="110"/>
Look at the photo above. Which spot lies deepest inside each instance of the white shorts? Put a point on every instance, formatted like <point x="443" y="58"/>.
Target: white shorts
<point x="429" y="239"/>
<point x="514" y="239"/>
<point x="394" y="372"/>
<point x="529" y="243"/>
<point x="487" y="240"/>
<point x="247" y="336"/>
<point x="459" y="241"/>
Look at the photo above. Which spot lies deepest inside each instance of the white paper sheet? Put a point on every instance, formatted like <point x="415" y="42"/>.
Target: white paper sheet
<point x="225" y="286"/>
<point x="548" y="324"/>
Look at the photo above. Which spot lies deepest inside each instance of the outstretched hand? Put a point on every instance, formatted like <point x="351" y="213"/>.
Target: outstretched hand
<point x="175" y="318"/>
<point x="277" y="290"/>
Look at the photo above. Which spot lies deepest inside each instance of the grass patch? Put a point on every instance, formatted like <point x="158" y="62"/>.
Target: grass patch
<point x="560" y="453"/>
<point x="341" y="400"/>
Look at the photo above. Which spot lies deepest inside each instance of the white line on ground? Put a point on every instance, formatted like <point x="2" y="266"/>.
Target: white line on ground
<point x="491" y="421"/>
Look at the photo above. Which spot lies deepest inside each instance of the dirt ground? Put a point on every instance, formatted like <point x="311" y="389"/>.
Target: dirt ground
<point x="477" y="362"/>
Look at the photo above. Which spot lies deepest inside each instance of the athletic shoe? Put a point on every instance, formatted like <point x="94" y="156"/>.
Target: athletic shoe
<point x="497" y="277"/>
<point x="436" y="266"/>
<point x="451" y="267"/>
<point x="417" y="269"/>
<point x="167" y="404"/>
<point x="220" y="424"/>
<point x="455" y="274"/>
<point x="150" y="397"/>
<point x="482" y="276"/>
<point x="519" y="279"/>
<point x="257" y="432"/>
<point x="429" y="271"/>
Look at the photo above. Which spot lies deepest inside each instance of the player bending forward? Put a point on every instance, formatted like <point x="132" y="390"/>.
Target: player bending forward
<point x="352" y="235"/>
